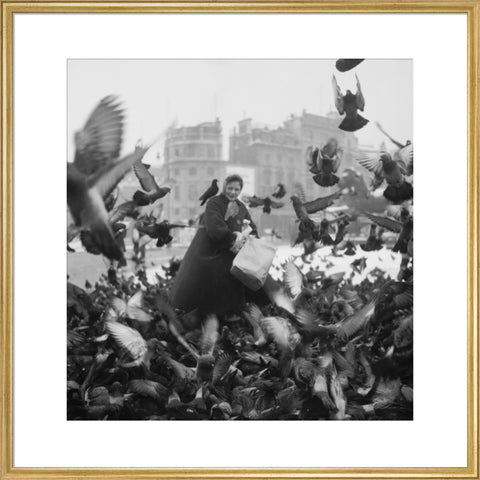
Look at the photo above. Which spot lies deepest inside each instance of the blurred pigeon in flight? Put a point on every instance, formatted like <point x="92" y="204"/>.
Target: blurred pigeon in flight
<point x="266" y="202"/>
<point x="95" y="172"/>
<point x="148" y="183"/>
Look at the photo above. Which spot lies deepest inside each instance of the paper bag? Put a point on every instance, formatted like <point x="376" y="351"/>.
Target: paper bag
<point x="253" y="262"/>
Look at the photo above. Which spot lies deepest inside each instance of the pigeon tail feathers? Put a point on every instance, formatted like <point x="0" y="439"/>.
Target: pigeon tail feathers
<point x="398" y="194"/>
<point x="353" y="124"/>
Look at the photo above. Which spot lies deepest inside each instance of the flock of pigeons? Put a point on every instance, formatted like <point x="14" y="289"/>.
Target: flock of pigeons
<point x="323" y="348"/>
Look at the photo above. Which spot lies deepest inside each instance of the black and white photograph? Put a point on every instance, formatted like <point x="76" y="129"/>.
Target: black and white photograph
<point x="240" y="239"/>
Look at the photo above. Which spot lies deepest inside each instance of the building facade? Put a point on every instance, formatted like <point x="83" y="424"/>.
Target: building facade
<point x="279" y="156"/>
<point x="193" y="158"/>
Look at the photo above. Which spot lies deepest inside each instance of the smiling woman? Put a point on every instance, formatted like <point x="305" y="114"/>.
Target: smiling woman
<point x="204" y="281"/>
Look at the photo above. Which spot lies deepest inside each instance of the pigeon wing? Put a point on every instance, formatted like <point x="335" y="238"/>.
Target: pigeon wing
<point x="135" y="308"/>
<point x="253" y="315"/>
<point x="321" y="203"/>
<point x="405" y="154"/>
<point x="338" y="97"/>
<point x="371" y="161"/>
<point x="385" y="222"/>
<point x="293" y="279"/>
<point x="352" y="324"/>
<point x="119" y="305"/>
<point x="311" y="160"/>
<point x="360" y="100"/>
<point x="276" y="330"/>
<point x="146" y="179"/>
<point x="148" y="388"/>
<point x="106" y="180"/>
<point x="398" y="144"/>
<point x="120" y="212"/>
<point x="222" y="365"/>
<point x="100" y="140"/>
<point x="128" y="338"/>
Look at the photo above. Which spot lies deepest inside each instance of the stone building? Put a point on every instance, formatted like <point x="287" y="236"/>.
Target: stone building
<point x="192" y="159"/>
<point x="278" y="155"/>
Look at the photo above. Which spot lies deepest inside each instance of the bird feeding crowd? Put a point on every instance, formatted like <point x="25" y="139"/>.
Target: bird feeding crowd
<point x="325" y="346"/>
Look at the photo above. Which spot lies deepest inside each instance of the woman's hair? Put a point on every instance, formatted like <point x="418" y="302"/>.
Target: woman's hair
<point x="234" y="178"/>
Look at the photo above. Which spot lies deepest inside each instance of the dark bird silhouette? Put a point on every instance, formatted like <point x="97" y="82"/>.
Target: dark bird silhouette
<point x="405" y="239"/>
<point x="266" y="202"/>
<point x="350" y="248"/>
<point x="95" y="172"/>
<point x="279" y="191"/>
<point x="323" y="234"/>
<point x="148" y="183"/>
<point x="211" y="191"/>
<point x="346" y="64"/>
<point x="341" y="230"/>
<point x="348" y="104"/>
<point x="160" y="231"/>
<point x="374" y="240"/>
<point x="384" y="167"/>
<point x="306" y="224"/>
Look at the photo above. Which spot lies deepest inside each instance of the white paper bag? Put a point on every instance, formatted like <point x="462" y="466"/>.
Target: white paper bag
<point x="253" y="262"/>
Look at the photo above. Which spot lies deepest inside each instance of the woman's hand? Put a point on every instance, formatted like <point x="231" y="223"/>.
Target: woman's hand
<point x="239" y="241"/>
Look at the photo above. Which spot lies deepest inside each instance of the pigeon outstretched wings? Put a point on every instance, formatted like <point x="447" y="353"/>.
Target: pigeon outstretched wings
<point x="100" y="140"/>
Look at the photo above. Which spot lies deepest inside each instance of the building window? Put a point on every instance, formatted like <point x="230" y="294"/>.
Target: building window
<point x="192" y="171"/>
<point x="192" y="192"/>
<point x="176" y="192"/>
<point x="176" y="212"/>
<point x="210" y="152"/>
<point x="193" y="212"/>
<point x="177" y="152"/>
<point x="267" y="158"/>
<point x="176" y="172"/>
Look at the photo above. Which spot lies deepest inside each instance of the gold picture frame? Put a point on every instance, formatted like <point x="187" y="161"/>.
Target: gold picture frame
<point x="9" y="8"/>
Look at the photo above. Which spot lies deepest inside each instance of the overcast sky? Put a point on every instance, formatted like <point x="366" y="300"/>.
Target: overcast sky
<point x="156" y="93"/>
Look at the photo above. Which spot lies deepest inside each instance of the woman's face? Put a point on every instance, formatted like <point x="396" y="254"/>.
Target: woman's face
<point x="232" y="190"/>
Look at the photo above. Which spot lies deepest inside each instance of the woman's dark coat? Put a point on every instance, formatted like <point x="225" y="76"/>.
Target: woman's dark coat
<point x="204" y="280"/>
